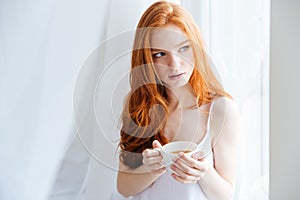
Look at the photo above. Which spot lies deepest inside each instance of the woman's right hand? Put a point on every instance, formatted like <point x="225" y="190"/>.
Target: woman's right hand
<point x="152" y="159"/>
<point x="131" y="182"/>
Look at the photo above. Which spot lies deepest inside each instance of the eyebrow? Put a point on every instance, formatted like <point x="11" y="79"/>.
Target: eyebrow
<point x="153" y="49"/>
<point x="181" y="43"/>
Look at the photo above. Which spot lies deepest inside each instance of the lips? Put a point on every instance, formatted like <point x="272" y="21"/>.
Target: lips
<point x="176" y="76"/>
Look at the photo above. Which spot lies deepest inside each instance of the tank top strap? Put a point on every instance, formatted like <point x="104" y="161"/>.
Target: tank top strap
<point x="206" y="138"/>
<point x="206" y="145"/>
<point x="209" y="116"/>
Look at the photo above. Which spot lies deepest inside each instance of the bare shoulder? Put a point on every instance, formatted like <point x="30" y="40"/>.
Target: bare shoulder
<point x="225" y="118"/>
<point x="224" y="105"/>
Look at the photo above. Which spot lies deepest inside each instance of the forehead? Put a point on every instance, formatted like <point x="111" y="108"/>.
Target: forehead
<point x="167" y="38"/>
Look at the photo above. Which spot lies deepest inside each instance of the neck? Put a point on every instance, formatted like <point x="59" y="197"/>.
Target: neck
<point x="183" y="97"/>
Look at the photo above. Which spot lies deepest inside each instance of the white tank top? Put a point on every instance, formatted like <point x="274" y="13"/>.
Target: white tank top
<point x="166" y="187"/>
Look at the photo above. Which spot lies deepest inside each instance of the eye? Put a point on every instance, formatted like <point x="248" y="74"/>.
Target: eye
<point x="158" y="55"/>
<point x="184" y="48"/>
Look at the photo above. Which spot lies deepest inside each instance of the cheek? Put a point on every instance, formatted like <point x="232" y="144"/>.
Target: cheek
<point x="189" y="65"/>
<point x="190" y="59"/>
<point x="161" y="62"/>
<point x="160" y="69"/>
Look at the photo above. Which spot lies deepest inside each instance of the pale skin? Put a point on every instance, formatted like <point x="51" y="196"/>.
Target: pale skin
<point x="173" y="58"/>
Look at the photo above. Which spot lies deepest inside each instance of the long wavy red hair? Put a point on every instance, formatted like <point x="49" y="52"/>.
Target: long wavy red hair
<point x="146" y="107"/>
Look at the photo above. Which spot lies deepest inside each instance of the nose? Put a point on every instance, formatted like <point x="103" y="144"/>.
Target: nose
<point x="174" y="61"/>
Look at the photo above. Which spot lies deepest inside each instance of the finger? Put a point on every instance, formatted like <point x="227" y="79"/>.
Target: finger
<point x="156" y="144"/>
<point x="182" y="180"/>
<point x="150" y="153"/>
<point x="156" y="167"/>
<point x="159" y="170"/>
<point x="152" y="160"/>
<point x="187" y="169"/>
<point x="201" y="165"/>
<point x="198" y="155"/>
<point x="183" y="175"/>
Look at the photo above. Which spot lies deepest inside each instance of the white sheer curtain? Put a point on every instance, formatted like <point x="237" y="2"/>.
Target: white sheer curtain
<point x="42" y="44"/>
<point x="110" y="87"/>
<point x="237" y="37"/>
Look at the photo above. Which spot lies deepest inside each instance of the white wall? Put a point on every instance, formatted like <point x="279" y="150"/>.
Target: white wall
<point x="285" y="98"/>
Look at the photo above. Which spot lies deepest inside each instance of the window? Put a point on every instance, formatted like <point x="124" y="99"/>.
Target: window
<point x="237" y="38"/>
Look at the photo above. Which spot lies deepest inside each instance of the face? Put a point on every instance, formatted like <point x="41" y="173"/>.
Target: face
<point x="173" y="56"/>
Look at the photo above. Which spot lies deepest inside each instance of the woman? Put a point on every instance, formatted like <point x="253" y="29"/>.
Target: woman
<point x="175" y="96"/>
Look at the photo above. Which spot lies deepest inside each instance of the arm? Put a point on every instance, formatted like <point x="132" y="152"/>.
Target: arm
<point x="131" y="182"/>
<point x="217" y="182"/>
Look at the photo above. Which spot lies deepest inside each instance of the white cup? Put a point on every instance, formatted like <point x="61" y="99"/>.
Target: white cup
<point x="170" y="151"/>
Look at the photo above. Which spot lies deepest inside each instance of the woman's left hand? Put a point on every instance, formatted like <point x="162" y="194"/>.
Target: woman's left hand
<point x="189" y="169"/>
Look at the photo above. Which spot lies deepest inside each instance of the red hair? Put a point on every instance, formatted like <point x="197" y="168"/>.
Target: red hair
<point x="146" y="108"/>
